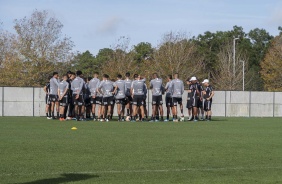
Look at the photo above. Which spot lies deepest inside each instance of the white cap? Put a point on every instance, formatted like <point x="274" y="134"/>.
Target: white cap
<point x="206" y="81"/>
<point x="193" y="79"/>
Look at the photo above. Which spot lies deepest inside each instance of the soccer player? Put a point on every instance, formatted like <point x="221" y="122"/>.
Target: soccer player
<point x="168" y="97"/>
<point x="156" y="84"/>
<point x="137" y="93"/>
<point x="77" y="87"/>
<point x="128" y="102"/>
<point x="208" y="94"/>
<point x="53" y="97"/>
<point x="106" y="88"/>
<point x="71" y="113"/>
<point x="47" y="101"/>
<point x="144" y="101"/>
<point x="120" y="96"/>
<point x="95" y="99"/>
<point x="200" y="101"/>
<point x="177" y="87"/>
<point x="87" y="97"/>
<point x="189" y="99"/>
<point x="63" y="96"/>
<point x="194" y="97"/>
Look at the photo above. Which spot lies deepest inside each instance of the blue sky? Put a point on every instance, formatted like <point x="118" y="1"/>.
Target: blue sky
<point x="97" y="24"/>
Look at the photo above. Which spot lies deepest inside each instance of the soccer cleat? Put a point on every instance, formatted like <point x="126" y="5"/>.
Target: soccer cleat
<point x="195" y="120"/>
<point x="107" y="120"/>
<point x="182" y="118"/>
<point x="166" y="120"/>
<point x="156" y="120"/>
<point x="49" y="118"/>
<point x="133" y="120"/>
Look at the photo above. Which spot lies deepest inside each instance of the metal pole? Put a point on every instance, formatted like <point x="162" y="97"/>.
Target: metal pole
<point x="2" y="101"/>
<point x="243" y="62"/>
<point x="243" y="75"/>
<point x="234" y="55"/>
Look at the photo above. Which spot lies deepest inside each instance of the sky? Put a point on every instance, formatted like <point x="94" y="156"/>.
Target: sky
<point x="96" y="24"/>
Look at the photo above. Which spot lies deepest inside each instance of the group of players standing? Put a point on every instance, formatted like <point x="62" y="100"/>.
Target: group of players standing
<point x="75" y="96"/>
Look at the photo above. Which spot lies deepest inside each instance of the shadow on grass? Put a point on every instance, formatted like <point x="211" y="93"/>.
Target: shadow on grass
<point x="64" y="178"/>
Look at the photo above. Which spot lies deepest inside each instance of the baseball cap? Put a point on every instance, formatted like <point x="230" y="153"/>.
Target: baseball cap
<point x="206" y="81"/>
<point x="193" y="79"/>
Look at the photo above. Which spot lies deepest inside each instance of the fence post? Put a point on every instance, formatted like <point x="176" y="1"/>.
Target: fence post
<point x="273" y="104"/>
<point x="250" y="103"/>
<point x="225" y="104"/>
<point x="2" y="101"/>
<point x="33" y="101"/>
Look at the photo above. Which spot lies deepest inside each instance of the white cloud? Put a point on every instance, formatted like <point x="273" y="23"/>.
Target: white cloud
<point x="109" y="26"/>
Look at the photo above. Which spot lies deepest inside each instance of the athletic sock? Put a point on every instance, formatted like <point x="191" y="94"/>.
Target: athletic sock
<point x="93" y="114"/>
<point x="61" y="116"/>
<point x="206" y="117"/>
<point x="209" y="117"/>
<point x="109" y="116"/>
<point x="119" y="117"/>
<point x="167" y="116"/>
<point x="162" y="118"/>
<point x="181" y="110"/>
<point x="58" y="115"/>
<point x="47" y="115"/>
<point x="53" y="115"/>
<point x="127" y="110"/>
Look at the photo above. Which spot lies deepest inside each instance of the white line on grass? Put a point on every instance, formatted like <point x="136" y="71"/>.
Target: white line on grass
<point x="142" y="171"/>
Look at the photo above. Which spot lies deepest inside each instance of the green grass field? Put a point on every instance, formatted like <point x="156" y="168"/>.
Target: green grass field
<point x="226" y="150"/>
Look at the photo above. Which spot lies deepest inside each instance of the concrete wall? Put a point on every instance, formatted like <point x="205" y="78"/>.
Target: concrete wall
<point x="28" y="101"/>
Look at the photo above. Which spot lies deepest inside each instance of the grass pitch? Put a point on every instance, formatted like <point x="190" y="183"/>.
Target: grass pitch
<point x="226" y="150"/>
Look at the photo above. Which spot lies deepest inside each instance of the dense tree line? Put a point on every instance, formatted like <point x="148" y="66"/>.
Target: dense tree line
<point x="38" y="48"/>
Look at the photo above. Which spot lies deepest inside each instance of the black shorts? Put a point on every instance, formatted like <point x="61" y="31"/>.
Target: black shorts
<point x="157" y="100"/>
<point x="176" y="101"/>
<point x="195" y="102"/>
<point x="138" y="100"/>
<point x="96" y="100"/>
<point x="144" y="102"/>
<point x="120" y="101"/>
<point x="207" y="105"/>
<point x="200" y="103"/>
<point x="128" y="99"/>
<point x="64" y="102"/>
<point x="189" y="104"/>
<point x="168" y="102"/>
<point x="47" y="100"/>
<point x="79" y="101"/>
<point x="87" y="102"/>
<point x="53" y="98"/>
<point x="108" y="100"/>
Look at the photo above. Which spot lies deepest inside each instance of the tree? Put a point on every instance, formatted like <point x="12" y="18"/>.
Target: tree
<point x="271" y="66"/>
<point x="142" y="51"/>
<point x="223" y="78"/>
<point x="120" y="60"/>
<point x="176" y="53"/>
<point x="41" y="46"/>
<point x="85" y="62"/>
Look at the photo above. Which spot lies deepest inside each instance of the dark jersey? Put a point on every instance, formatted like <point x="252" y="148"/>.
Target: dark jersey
<point x="200" y="89"/>
<point x="194" y="89"/>
<point x="208" y="91"/>
<point x="48" y="87"/>
<point x="190" y="94"/>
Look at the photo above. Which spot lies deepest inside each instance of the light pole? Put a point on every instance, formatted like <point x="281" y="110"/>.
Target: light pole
<point x="234" y="54"/>
<point x="243" y="62"/>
